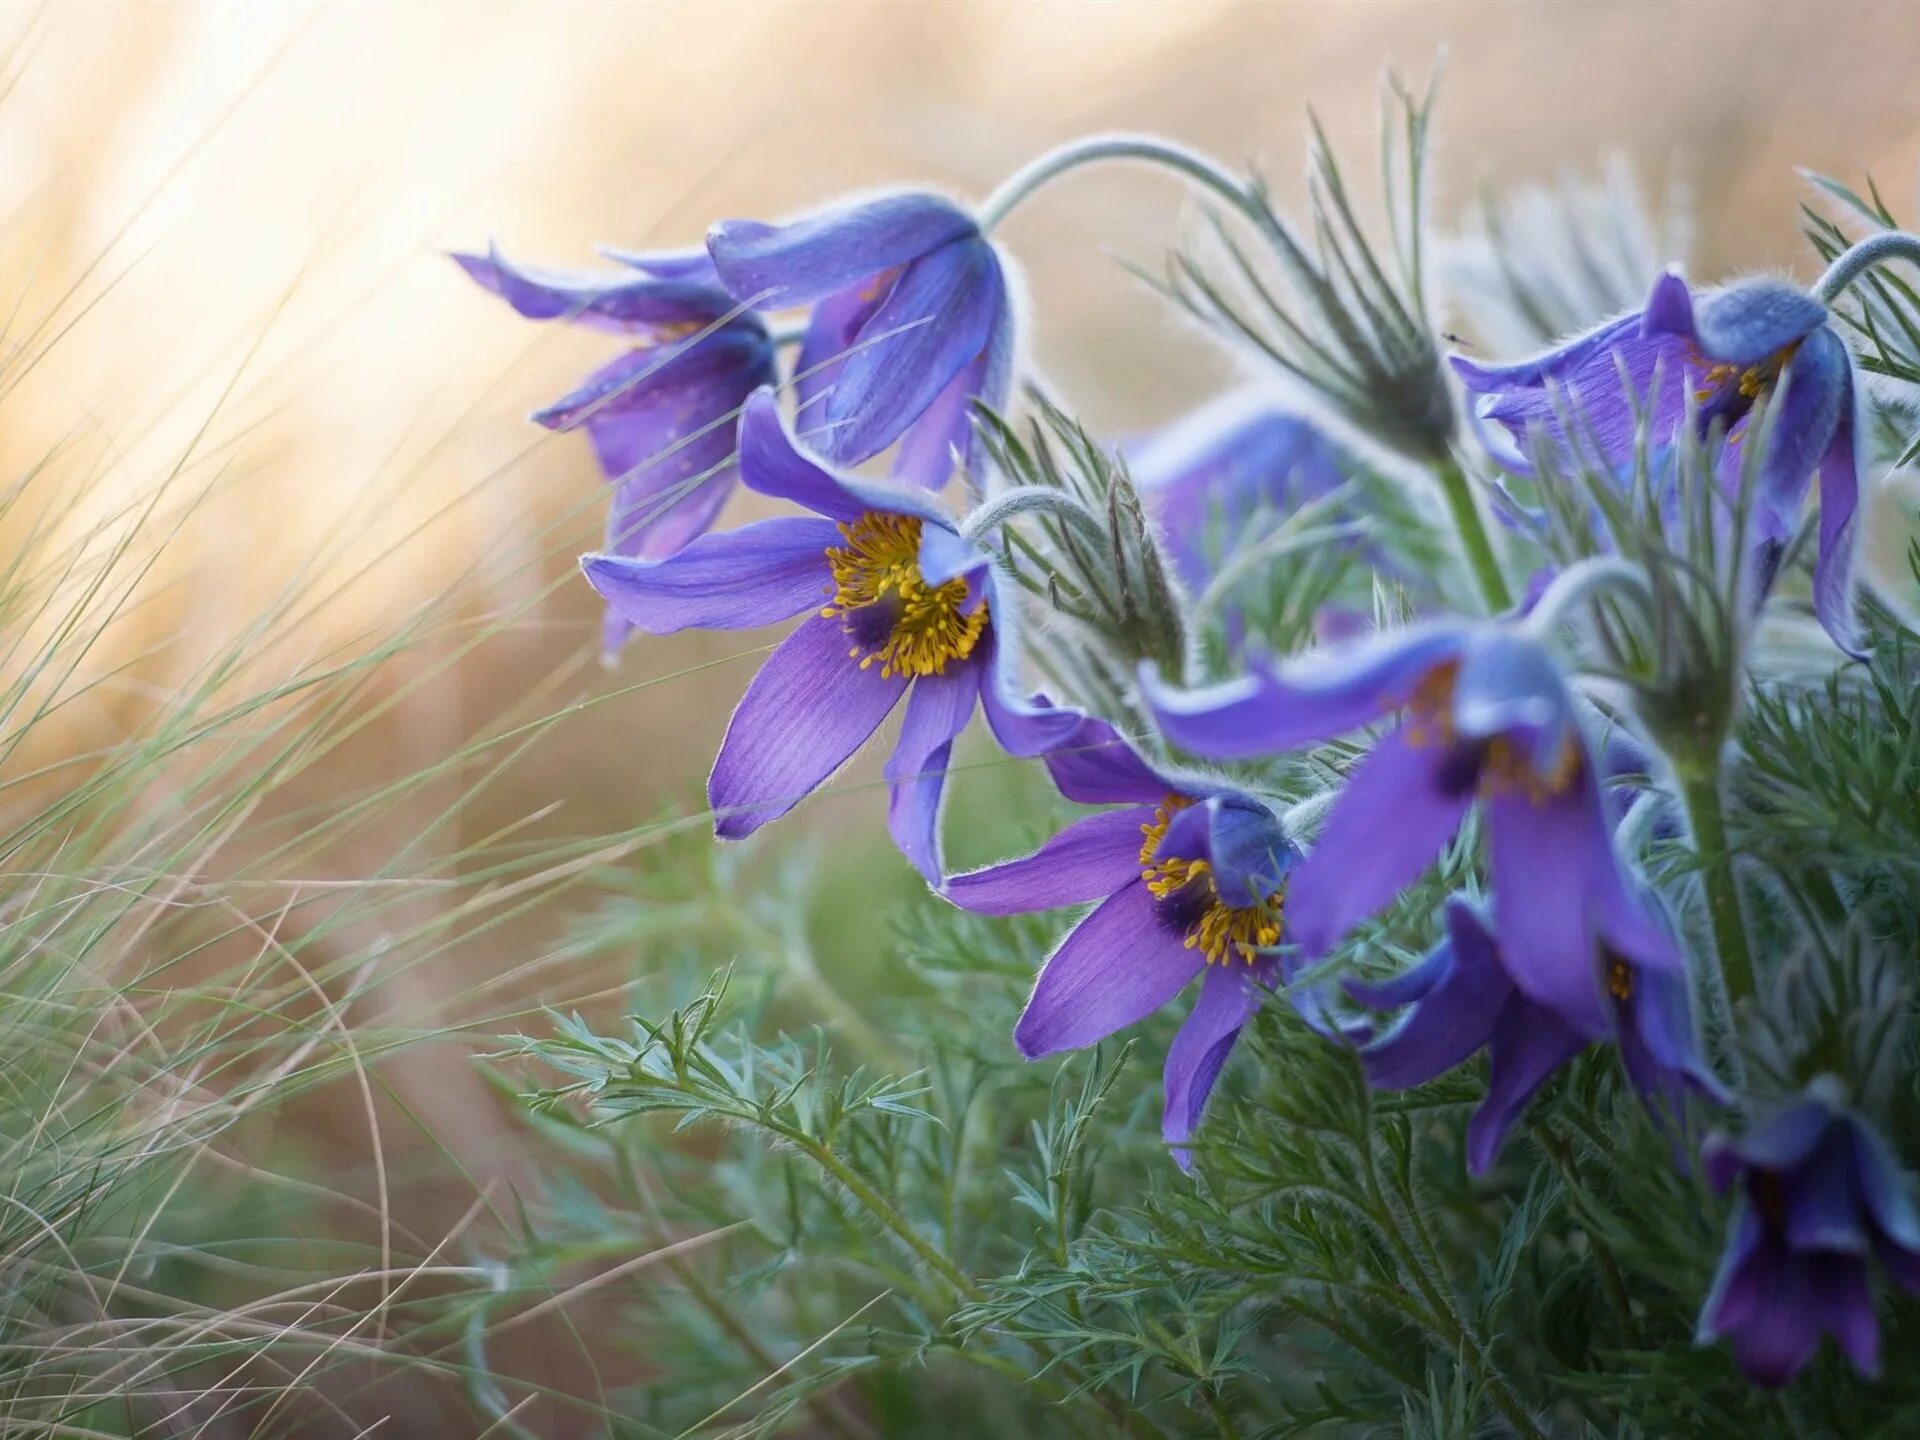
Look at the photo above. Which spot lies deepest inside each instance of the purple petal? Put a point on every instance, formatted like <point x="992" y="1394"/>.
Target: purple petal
<point x="1512" y="686"/>
<point x="836" y="249"/>
<point x="761" y="573"/>
<point x="1839" y="516"/>
<point x="1214" y="472"/>
<point x="1669" y="309"/>
<point x="1460" y="993"/>
<point x="1023" y="727"/>
<point x="1844" y="1302"/>
<point x="1526" y="1047"/>
<point x="925" y="457"/>
<point x="1819" y="391"/>
<point x="1089" y="860"/>
<point x="1315" y="698"/>
<point x="945" y="430"/>
<point x="1734" y="1297"/>
<point x="686" y="387"/>
<point x="1751" y="322"/>
<point x="1783" y="1329"/>
<point x="932" y="324"/>
<point x="1249" y="850"/>
<point x="623" y="304"/>
<point x="1199" y="1052"/>
<point x="1118" y="965"/>
<point x="1388" y="826"/>
<point x="1886" y="1191"/>
<point x="1096" y="767"/>
<point x="1659" y="1043"/>
<point x="808" y="709"/>
<point x="832" y="328"/>
<point x="1781" y="1142"/>
<point x="1818" y="1197"/>
<point x="695" y="265"/>
<point x="1550" y="856"/>
<point x="1555" y="363"/>
<point x="938" y="708"/>
<point x="657" y="514"/>
<point x="772" y="462"/>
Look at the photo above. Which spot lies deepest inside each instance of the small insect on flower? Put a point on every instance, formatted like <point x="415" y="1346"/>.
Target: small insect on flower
<point x="1485" y="715"/>
<point x="910" y="324"/>
<point x="1719" y="358"/>
<point x="1820" y="1197"/>
<point x="902" y="608"/>
<point x="1461" y="999"/>
<point x="1192" y="882"/>
<point x="663" y="417"/>
<point x="1225" y="467"/>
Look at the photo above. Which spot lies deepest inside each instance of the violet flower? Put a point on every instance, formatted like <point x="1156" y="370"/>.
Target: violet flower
<point x="1720" y="356"/>
<point x="1485" y="715"/>
<point x="1211" y="474"/>
<point x="1463" y="998"/>
<point x="1820" y="1198"/>
<point x="663" y="416"/>
<point x="910" y="324"/>
<point x="1190" y="879"/>
<point x="898" y="606"/>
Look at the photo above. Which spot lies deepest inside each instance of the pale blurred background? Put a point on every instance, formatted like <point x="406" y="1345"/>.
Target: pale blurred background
<point x="232" y="218"/>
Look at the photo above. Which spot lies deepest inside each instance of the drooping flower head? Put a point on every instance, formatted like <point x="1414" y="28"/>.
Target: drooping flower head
<point x="1463" y="998"/>
<point x="1191" y="882"/>
<point x="898" y="606"/>
<point x="663" y="416"/>
<point x="910" y="323"/>
<point x="1224" y="468"/>
<point x="1819" y="1199"/>
<point x="1720" y="356"/>
<point x="1484" y="716"/>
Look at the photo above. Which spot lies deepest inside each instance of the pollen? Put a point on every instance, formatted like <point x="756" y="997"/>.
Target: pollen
<point x="1429" y="719"/>
<point x="1620" y="980"/>
<point x="896" y="619"/>
<point x="1507" y="771"/>
<point x="1751" y="382"/>
<point x="1219" y="931"/>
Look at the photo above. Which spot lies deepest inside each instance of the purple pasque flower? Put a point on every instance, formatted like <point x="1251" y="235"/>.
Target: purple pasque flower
<point x="1819" y="1198"/>
<point x="663" y="416"/>
<point x="1463" y="998"/>
<point x="1484" y="716"/>
<point x="911" y="322"/>
<point x="1718" y="356"/>
<point x="897" y="605"/>
<point x="1220" y="469"/>
<point x="1191" y="880"/>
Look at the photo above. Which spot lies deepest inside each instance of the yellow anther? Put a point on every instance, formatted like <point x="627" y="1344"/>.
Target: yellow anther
<point x="1221" y="930"/>
<point x="919" y="628"/>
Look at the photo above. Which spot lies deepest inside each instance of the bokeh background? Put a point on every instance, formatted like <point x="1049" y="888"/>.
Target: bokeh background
<point x="223" y="230"/>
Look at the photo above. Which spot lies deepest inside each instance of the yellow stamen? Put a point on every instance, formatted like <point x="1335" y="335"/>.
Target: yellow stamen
<point x="1620" y="980"/>
<point x="1504" y="770"/>
<point x="1752" y="382"/>
<point x="1245" y="930"/>
<point x="910" y="627"/>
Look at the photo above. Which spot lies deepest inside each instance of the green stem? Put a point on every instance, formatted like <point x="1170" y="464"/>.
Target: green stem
<point x="877" y="1206"/>
<point x="1700" y="792"/>
<point x="1465" y="514"/>
<point x="1222" y="1417"/>
<point x="1874" y="250"/>
<point x="1441" y="1309"/>
<point x="1200" y="169"/>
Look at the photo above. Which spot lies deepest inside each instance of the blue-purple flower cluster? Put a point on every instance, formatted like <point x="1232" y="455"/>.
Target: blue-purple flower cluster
<point x="905" y="327"/>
